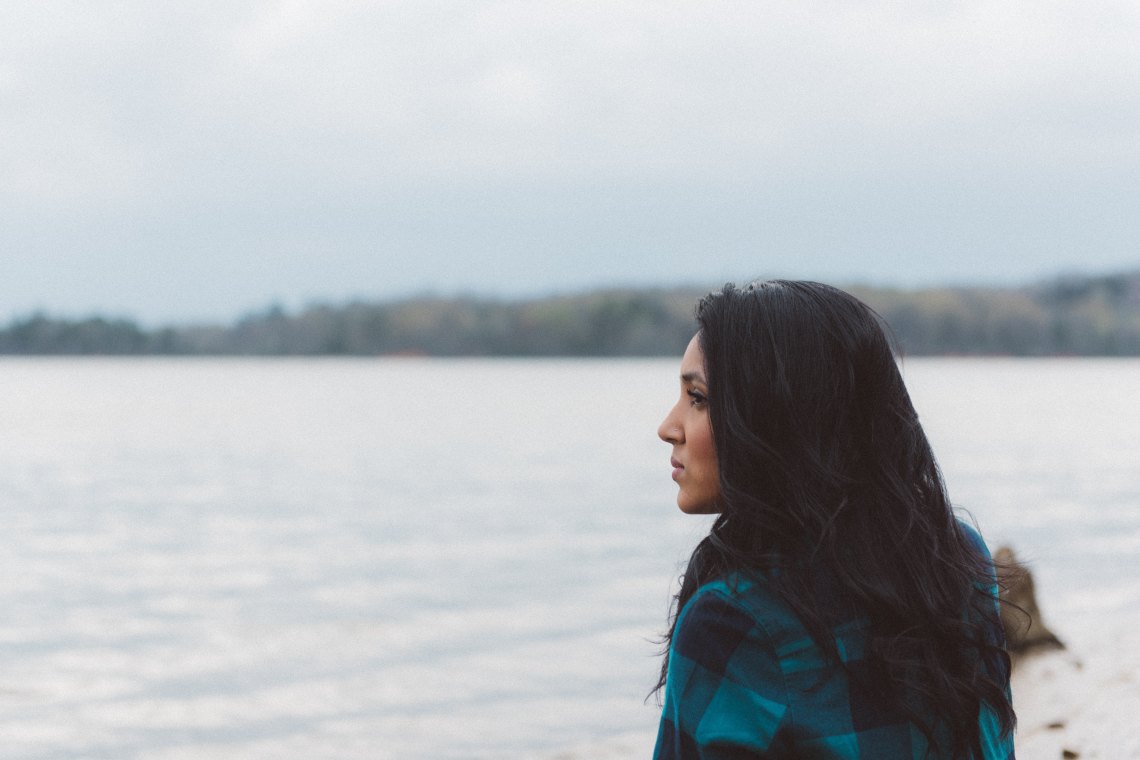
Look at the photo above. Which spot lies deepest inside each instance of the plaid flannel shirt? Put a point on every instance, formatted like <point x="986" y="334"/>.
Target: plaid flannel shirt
<point x="746" y="680"/>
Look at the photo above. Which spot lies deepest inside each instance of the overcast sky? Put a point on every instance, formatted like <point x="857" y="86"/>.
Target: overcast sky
<point x="178" y="161"/>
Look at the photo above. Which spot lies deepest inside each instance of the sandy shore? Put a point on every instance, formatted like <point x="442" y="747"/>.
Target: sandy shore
<point x="1082" y="703"/>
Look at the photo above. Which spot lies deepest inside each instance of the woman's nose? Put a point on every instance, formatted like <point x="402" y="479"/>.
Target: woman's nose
<point x="669" y="430"/>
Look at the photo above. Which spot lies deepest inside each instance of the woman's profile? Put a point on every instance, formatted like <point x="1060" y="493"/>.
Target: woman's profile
<point x="837" y="608"/>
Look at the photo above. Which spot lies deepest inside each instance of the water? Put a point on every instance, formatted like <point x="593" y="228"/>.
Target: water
<point x="437" y="559"/>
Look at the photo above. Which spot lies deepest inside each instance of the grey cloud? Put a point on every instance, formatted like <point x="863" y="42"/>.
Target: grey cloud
<point x="317" y="149"/>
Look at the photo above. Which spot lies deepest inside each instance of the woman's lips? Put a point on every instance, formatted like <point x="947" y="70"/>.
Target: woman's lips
<point x="677" y="468"/>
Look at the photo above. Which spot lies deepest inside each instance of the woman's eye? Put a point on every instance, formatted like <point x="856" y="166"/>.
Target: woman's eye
<point x="696" y="398"/>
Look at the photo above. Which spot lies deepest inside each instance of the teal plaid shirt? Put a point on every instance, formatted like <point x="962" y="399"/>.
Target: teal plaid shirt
<point x="746" y="680"/>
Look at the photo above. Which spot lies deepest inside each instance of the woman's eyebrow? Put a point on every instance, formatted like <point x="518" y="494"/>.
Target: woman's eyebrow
<point x="693" y="376"/>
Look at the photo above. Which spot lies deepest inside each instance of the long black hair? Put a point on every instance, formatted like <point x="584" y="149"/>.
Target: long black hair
<point x="826" y="472"/>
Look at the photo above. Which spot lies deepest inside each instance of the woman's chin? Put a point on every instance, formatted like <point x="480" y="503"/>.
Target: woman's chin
<point x="698" y="508"/>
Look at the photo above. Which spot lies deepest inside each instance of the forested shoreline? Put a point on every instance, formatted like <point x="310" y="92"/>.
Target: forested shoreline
<point x="1077" y="316"/>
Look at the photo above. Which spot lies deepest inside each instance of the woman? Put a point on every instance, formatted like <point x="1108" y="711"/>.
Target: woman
<point x="837" y="609"/>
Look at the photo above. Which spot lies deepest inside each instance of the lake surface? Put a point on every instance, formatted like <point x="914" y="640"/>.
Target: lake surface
<point x="439" y="558"/>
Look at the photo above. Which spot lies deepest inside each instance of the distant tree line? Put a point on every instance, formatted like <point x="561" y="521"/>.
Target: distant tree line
<point x="1077" y="316"/>
<point x="1086" y="316"/>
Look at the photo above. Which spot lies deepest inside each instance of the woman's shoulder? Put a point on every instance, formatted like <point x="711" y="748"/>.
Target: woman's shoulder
<point x="714" y="621"/>
<point x="738" y="606"/>
<point x="751" y="592"/>
<point x="974" y="538"/>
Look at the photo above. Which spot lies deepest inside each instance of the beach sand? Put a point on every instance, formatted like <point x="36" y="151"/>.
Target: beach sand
<point x="1083" y="702"/>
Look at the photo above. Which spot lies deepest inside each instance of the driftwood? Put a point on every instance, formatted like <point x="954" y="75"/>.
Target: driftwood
<point x="1025" y="631"/>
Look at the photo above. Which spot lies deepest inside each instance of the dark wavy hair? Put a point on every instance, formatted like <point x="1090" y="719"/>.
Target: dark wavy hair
<point x="826" y="472"/>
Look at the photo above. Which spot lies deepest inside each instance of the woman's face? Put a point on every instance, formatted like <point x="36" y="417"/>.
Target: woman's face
<point x="687" y="428"/>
